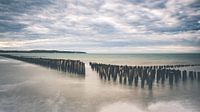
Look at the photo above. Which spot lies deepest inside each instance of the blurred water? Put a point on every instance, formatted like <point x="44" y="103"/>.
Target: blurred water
<point x="30" y="88"/>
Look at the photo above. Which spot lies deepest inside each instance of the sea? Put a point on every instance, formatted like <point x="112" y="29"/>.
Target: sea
<point x="26" y="87"/>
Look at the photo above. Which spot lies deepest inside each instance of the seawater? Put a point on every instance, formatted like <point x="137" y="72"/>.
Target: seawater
<point x="125" y="59"/>
<point x="31" y="88"/>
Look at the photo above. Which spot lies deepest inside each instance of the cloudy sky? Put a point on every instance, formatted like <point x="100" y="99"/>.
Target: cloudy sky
<point x="125" y="26"/>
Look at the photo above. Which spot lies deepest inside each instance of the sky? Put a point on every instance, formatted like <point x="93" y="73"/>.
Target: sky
<point x="101" y="26"/>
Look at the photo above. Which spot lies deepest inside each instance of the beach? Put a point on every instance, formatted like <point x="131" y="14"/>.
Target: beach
<point x="29" y="87"/>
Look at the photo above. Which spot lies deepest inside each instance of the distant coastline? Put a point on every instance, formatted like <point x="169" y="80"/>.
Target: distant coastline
<point x="39" y="51"/>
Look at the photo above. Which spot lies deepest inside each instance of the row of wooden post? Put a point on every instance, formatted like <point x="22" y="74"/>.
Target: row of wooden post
<point x="146" y="74"/>
<point x="71" y="66"/>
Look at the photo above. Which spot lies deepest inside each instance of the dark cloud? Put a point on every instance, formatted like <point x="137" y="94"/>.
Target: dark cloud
<point x="12" y="10"/>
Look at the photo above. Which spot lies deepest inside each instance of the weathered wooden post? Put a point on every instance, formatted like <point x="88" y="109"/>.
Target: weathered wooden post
<point x="130" y="76"/>
<point x="171" y="77"/>
<point x="195" y="74"/>
<point x="184" y="77"/>
<point x="198" y="73"/>
<point x="176" y="75"/>
<point x="115" y="73"/>
<point x="142" y="77"/>
<point x="136" y="80"/>
<point x="150" y="79"/>
<point x="158" y="76"/>
<point x="163" y="75"/>
<point x="191" y="75"/>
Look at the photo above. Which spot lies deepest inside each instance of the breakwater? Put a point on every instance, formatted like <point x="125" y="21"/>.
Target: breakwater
<point x="145" y="75"/>
<point x="70" y="66"/>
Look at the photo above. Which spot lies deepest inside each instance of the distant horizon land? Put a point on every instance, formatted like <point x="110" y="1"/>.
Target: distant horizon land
<point x="83" y="52"/>
<point x="39" y="51"/>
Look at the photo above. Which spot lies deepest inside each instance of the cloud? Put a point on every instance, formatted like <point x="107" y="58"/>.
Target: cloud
<point x="95" y="25"/>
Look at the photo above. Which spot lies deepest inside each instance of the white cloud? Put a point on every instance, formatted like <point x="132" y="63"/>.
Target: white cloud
<point x="8" y="44"/>
<point x="36" y="28"/>
<point x="96" y="23"/>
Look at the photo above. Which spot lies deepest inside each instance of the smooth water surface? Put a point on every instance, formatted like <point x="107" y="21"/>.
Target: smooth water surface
<point x="31" y="88"/>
